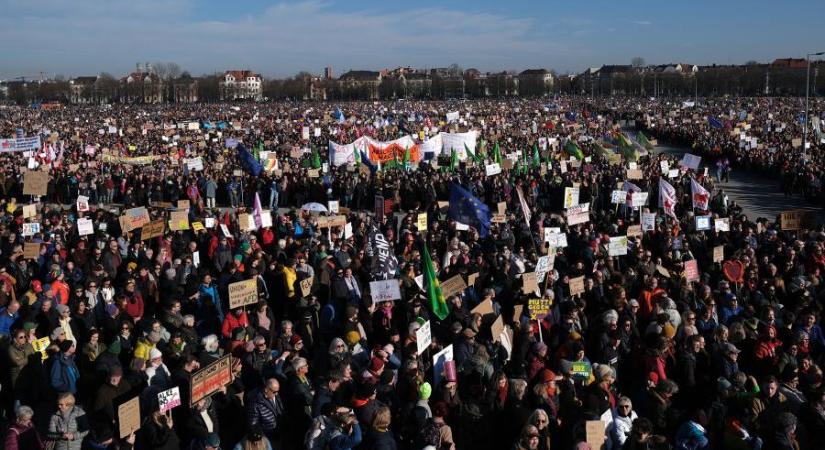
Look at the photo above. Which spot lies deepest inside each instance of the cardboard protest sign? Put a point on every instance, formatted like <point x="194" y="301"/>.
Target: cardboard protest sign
<point x="502" y="207"/>
<point x="210" y="379"/>
<point x="529" y="283"/>
<point x="31" y="250"/>
<point x="797" y="220"/>
<point x="421" y="222"/>
<point x="424" y="337"/>
<point x="498" y="218"/>
<point x="539" y="307"/>
<point x="35" y="183"/>
<point x="179" y="220"/>
<point x="184" y="204"/>
<point x="635" y="174"/>
<point x="571" y="197"/>
<point x="595" y="436"/>
<point x="40" y="346"/>
<point x="169" y="399"/>
<point x="306" y="286"/>
<point x="29" y="211"/>
<point x="332" y="221"/>
<point x="722" y="224"/>
<point x="634" y="231"/>
<point x="128" y="417"/>
<point x="576" y="286"/>
<point x="617" y="246"/>
<point x="453" y="286"/>
<point x="134" y="218"/>
<point x="471" y="279"/>
<point x="242" y="293"/>
<point x="385" y="290"/>
<point x="153" y="229"/>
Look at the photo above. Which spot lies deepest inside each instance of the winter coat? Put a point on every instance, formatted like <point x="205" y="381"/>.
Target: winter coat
<point x="261" y="411"/>
<point x="74" y="422"/>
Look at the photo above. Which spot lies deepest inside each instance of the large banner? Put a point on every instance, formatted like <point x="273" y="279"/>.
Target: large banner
<point x="23" y="144"/>
<point x="431" y="148"/>
<point x="386" y="151"/>
<point x="457" y="141"/>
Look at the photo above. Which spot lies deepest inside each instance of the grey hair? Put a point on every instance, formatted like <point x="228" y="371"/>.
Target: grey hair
<point x="626" y="400"/>
<point x="519" y="388"/>
<point x="189" y="320"/>
<point x="299" y="362"/>
<point x="24" y="411"/>
<point x="210" y="343"/>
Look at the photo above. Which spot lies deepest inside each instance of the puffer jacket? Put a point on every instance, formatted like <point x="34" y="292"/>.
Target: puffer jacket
<point x="74" y="422"/>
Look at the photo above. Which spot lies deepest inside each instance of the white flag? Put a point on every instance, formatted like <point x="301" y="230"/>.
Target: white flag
<point x="699" y="194"/>
<point x="524" y="207"/>
<point x="667" y="197"/>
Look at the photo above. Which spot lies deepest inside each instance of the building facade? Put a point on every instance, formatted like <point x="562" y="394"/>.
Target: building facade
<point x="241" y="85"/>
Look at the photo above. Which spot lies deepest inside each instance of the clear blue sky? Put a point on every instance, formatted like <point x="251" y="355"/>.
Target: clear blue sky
<point x="280" y="38"/>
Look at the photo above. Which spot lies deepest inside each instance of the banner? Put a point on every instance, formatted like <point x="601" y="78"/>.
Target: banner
<point x="431" y="147"/>
<point x="210" y="379"/>
<point x="457" y="141"/>
<point x="21" y="144"/>
<point x="393" y="150"/>
<point x="341" y="154"/>
<point x="136" y="161"/>
<point x="384" y="262"/>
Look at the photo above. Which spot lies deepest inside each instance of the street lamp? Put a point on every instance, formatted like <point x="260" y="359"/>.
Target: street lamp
<point x="807" y="93"/>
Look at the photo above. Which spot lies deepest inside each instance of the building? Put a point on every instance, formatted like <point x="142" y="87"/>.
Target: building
<point x="360" y="84"/>
<point x="329" y="73"/>
<point x="241" y="85"/>
<point x="185" y="89"/>
<point x="535" y="83"/>
<point x="83" y="91"/>
<point x="789" y="63"/>
<point x="416" y="85"/>
<point x="143" y="86"/>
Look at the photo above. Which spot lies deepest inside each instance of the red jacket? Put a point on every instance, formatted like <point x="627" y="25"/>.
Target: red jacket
<point x="134" y="306"/>
<point x="230" y="322"/>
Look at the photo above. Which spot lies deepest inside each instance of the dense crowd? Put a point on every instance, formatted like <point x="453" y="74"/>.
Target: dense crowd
<point x="685" y="337"/>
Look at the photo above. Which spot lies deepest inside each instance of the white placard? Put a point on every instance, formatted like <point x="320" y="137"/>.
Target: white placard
<point x="169" y="399"/>
<point x="348" y="230"/>
<point x="196" y="259"/>
<point x="225" y="230"/>
<point x="29" y="229"/>
<point x="385" y="290"/>
<point x="332" y="206"/>
<point x="424" y="337"/>
<point x="618" y="197"/>
<point x="438" y="363"/>
<point x="571" y="197"/>
<point x="461" y="226"/>
<point x="556" y="240"/>
<point x="82" y="203"/>
<point x="722" y="224"/>
<point x="85" y="226"/>
<point x="691" y="161"/>
<point x="492" y="169"/>
<point x="210" y="222"/>
<point x="266" y="219"/>
<point x="617" y="246"/>
<point x="648" y="221"/>
<point x="638" y="199"/>
<point x="702" y="223"/>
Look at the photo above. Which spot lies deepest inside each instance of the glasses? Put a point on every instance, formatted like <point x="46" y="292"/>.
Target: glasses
<point x="624" y="406"/>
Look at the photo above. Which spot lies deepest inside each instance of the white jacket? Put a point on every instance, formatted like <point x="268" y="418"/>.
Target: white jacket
<point x="619" y="429"/>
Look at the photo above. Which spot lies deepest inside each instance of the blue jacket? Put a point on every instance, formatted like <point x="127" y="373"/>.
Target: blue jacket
<point x="263" y="412"/>
<point x="6" y="321"/>
<point x="346" y="441"/>
<point x="64" y="374"/>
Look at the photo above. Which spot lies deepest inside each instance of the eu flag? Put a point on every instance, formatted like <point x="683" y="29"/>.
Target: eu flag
<point x="469" y="210"/>
<point x="248" y="162"/>
<point x="714" y="122"/>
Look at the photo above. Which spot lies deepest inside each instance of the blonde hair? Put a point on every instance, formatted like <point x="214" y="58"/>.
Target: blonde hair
<point x="67" y="397"/>
<point x="382" y="418"/>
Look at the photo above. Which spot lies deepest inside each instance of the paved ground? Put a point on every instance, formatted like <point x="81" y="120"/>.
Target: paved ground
<point x="758" y="196"/>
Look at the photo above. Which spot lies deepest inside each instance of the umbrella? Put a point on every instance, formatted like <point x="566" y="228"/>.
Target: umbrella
<point x="314" y="207"/>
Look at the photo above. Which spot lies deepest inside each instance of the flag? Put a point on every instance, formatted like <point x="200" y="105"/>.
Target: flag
<point x="667" y="197"/>
<point x="497" y="154"/>
<point x="536" y="157"/>
<point x="453" y="159"/>
<point x="257" y="211"/>
<point x="270" y="164"/>
<point x="316" y="159"/>
<point x="407" y="154"/>
<point x="339" y="115"/>
<point x="699" y="195"/>
<point x="248" y="162"/>
<point x="367" y="162"/>
<point x="573" y="150"/>
<point x="431" y="283"/>
<point x="380" y="251"/>
<point x="469" y="210"/>
<point x="715" y="123"/>
<point x="524" y="208"/>
<point x="644" y="141"/>
<point x="472" y="155"/>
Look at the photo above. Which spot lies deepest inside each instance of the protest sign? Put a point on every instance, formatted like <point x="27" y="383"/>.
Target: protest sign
<point x="179" y="220"/>
<point x="722" y="224"/>
<point x="30" y="229"/>
<point x="797" y="220"/>
<point x="648" y="221"/>
<point x="638" y="199"/>
<point x="539" y="307"/>
<point x="128" y="417"/>
<point x="571" y="197"/>
<point x="242" y="293"/>
<point x="332" y="206"/>
<point x="35" y="183"/>
<point x="718" y="253"/>
<point x="595" y="436"/>
<point x="578" y="214"/>
<point x="634" y="174"/>
<point x="421" y="222"/>
<point x="423" y="337"/>
<point x="210" y="379"/>
<point x="29" y="211"/>
<point x="576" y="286"/>
<point x="691" y="270"/>
<point x="690" y="161"/>
<point x="618" y="197"/>
<point x="195" y="164"/>
<point x="453" y="286"/>
<point x="31" y="250"/>
<point x="439" y="369"/>
<point x="385" y="290"/>
<point x="82" y="203"/>
<point x="529" y="283"/>
<point x="634" y="231"/>
<point x="184" y="204"/>
<point x="502" y="207"/>
<point x="198" y="227"/>
<point x="134" y="218"/>
<point x="581" y="370"/>
<point x="153" y="229"/>
<point x="40" y="346"/>
<point x="702" y="223"/>
<point x="492" y="169"/>
<point x="169" y="399"/>
<point x="617" y="246"/>
<point x="85" y="226"/>
<point x="306" y="286"/>
<point x="556" y="240"/>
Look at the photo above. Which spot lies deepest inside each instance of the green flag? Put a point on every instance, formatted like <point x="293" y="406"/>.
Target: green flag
<point x="453" y="159"/>
<point x="407" y="155"/>
<point x="437" y="301"/>
<point x="536" y="156"/>
<point x="316" y="159"/>
<point x="497" y="154"/>
<point x="573" y="150"/>
<point x="470" y="153"/>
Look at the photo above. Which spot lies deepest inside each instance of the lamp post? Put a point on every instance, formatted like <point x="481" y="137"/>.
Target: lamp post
<point x="807" y="93"/>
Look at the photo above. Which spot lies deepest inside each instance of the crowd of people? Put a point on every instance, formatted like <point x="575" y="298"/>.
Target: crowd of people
<point x="688" y="338"/>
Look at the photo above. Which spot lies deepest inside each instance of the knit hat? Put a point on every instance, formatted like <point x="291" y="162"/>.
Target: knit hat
<point x="603" y="371"/>
<point x="352" y="337"/>
<point x="538" y="347"/>
<point x="376" y="364"/>
<point x="56" y="333"/>
<point x="28" y="326"/>
<point x="114" y="348"/>
<point x="548" y="375"/>
<point x="66" y="345"/>
<point x="155" y="354"/>
<point x="47" y="287"/>
<point x="668" y="331"/>
<point x="425" y="391"/>
<point x="131" y="266"/>
<point x="111" y="309"/>
<point x="61" y="309"/>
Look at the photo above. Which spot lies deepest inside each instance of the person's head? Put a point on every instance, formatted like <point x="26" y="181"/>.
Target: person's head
<point x="67" y="347"/>
<point x="667" y="388"/>
<point x="518" y="388"/>
<point x="696" y="343"/>
<point x="381" y="419"/>
<point x="770" y="386"/>
<point x="24" y="415"/>
<point x="286" y="328"/>
<point x="642" y="429"/>
<point x="530" y="437"/>
<point x="539" y="419"/>
<point x="624" y="406"/>
<point x="19" y="338"/>
<point x="272" y="388"/>
<point x="115" y="375"/>
<point x="65" y="402"/>
<point x="300" y="366"/>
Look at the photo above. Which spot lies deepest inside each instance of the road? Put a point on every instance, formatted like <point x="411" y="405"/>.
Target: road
<point x="758" y="196"/>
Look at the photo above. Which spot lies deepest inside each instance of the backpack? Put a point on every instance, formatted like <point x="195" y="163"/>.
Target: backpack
<point x="321" y="432"/>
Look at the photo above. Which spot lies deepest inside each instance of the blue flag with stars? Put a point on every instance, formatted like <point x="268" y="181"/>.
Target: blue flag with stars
<point x="469" y="210"/>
